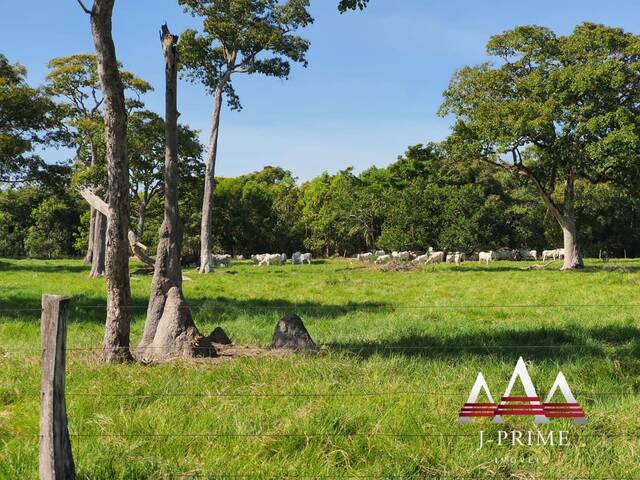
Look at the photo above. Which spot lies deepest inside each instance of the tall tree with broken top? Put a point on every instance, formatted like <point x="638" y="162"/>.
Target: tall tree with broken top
<point x="118" y="321"/>
<point x="555" y="109"/>
<point x="169" y="330"/>
<point x="238" y="36"/>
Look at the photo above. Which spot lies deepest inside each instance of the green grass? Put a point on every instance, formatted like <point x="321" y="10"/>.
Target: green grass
<point x="378" y="405"/>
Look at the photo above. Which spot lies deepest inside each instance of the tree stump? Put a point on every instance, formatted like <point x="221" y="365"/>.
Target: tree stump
<point x="290" y="333"/>
<point x="176" y="336"/>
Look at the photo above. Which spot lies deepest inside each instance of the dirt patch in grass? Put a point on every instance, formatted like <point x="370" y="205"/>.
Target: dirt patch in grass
<point x="398" y="267"/>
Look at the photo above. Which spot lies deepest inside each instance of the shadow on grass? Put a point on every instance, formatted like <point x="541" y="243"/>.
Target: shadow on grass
<point x="40" y="267"/>
<point x="533" y="343"/>
<point x="260" y="307"/>
<point x="93" y="310"/>
<point x="522" y="267"/>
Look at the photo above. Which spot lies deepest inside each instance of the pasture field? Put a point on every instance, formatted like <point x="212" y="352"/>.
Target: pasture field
<point x="400" y="352"/>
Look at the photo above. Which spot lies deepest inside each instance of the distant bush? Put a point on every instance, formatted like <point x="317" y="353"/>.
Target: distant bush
<point x="51" y="234"/>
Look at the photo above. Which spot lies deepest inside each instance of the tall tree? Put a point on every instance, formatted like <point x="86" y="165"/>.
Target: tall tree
<point x="27" y="117"/>
<point x="74" y="80"/>
<point x="169" y="330"/>
<point x="239" y="36"/>
<point x="118" y="322"/>
<point x="555" y="109"/>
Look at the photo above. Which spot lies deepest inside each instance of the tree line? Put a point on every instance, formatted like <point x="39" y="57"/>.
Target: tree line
<point x="425" y="198"/>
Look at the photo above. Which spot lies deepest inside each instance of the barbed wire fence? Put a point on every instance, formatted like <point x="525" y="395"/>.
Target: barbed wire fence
<point x="93" y="352"/>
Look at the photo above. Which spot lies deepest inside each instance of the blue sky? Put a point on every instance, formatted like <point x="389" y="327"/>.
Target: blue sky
<point x="373" y="85"/>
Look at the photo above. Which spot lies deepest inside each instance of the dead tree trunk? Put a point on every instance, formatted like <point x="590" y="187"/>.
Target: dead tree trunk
<point x="142" y="217"/>
<point x="116" y="338"/>
<point x="88" y="258"/>
<point x="169" y="329"/>
<point x="99" y="245"/>
<point x="101" y="206"/>
<point x="139" y="250"/>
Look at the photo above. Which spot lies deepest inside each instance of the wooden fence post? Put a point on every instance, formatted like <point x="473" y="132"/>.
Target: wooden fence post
<point x="56" y="459"/>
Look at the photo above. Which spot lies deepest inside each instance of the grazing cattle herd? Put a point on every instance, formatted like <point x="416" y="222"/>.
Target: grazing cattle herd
<point x="298" y="258"/>
<point x="431" y="256"/>
<point x="556" y="254"/>
<point x="380" y="257"/>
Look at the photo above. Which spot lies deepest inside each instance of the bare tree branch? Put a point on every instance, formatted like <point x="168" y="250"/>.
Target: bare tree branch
<point x="86" y="10"/>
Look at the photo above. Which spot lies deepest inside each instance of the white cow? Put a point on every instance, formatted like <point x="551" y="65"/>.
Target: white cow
<point x="457" y="257"/>
<point x="258" y="257"/>
<point x="272" y="259"/>
<point x="548" y="254"/>
<point x="365" y="257"/>
<point x="402" y="256"/>
<point x="383" y="259"/>
<point x="299" y="258"/>
<point x="553" y="254"/>
<point x="487" y="256"/>
<point x="379" y="253"/>
<point x="421" y="259"/>
<point x="435" y="257"/>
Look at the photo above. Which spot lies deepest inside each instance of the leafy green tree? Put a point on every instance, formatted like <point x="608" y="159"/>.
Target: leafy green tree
<point x="412" y="219"/>
<point x="238" y="37"/>
<point x="333" y="215"/>
<point x="50" y="236"/>
<point x="608" y="217"/>
<point x="367" y="209"/>
<point x="16" y="206"/>
<point x="257" y="212"/>
<point x="471" y="220"/>
<point x="74" y="81"/>
<point x="554" y="109"/>
<point x="28" y="117"/>
<point x="146" y="149"/>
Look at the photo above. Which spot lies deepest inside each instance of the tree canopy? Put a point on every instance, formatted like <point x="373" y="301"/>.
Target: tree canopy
<point x="28" y="118"/>
<point x="345" y="5"/>
<point x="242" y="37"/>
<point x="73" y="81"/>
<point x="553" y="109"/>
